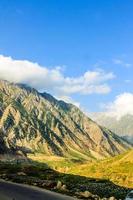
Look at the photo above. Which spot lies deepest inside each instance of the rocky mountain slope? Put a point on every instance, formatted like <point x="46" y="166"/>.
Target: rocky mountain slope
<point x="39" y="122"/>
<point x="122" y="126"/>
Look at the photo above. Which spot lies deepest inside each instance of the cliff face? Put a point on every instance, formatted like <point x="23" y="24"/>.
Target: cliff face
<point x="39" y="122"/>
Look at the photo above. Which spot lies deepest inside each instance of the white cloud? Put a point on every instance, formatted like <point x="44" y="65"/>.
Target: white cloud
<point x="68" y="99"/>
<point x="122" y="105"/>
<point x="122" y="63"/>
<point x="90" y="82"/>
<point x="53" y="80"/>
<point x="128" y="81"/>
<point x="23" y="71"/>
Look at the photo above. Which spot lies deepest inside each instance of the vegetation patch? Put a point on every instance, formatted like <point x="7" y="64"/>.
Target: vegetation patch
<point x="42" y="175"/>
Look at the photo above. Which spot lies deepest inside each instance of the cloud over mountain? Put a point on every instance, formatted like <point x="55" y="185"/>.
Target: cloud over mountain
<point x="53" y="80"/>
<point x="122" y="105"/>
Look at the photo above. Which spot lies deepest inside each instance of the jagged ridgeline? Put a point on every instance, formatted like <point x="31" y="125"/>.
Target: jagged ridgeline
<point x="39" y="122"/>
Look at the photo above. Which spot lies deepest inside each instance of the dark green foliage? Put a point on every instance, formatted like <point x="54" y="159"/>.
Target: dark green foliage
<point x="40" y="173"/>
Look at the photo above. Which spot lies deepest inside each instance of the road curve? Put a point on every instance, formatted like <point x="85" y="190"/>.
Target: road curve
<point x="14" y="191"/>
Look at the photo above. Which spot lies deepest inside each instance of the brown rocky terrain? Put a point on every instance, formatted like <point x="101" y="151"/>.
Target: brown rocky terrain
<point x="40" y="123"/>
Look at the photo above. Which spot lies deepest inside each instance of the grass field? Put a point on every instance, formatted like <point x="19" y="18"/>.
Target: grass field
<point x="106" y="178"/>
<point x="39" y="174"/>
<point x="118" y="169"/>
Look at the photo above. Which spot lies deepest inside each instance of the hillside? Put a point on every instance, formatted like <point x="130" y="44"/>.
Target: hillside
<point x="39" y="122"/>
<point x="118" y="169"/>
<point x="122" y="126"/>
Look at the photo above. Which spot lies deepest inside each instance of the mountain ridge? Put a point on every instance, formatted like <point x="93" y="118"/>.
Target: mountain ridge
<point x="41" y="123"/>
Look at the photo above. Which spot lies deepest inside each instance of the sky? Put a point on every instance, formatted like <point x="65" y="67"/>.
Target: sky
<point x="80" y="51"/>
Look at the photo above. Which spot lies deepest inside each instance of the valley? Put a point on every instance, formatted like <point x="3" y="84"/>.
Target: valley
<point x="109" y="178"/>
<point x="53" y="145"/>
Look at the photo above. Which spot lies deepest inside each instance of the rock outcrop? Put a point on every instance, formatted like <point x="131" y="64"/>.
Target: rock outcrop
<point x="39" y="122"/>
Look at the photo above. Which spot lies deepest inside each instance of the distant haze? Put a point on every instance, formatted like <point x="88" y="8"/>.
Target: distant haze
<point x="122" y="126"/>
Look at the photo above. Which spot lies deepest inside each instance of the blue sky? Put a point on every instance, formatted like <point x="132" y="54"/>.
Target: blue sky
<point x="78" y="36"/>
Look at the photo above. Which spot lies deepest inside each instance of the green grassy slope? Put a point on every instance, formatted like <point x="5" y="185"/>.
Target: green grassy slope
<point x="118" y="169"/>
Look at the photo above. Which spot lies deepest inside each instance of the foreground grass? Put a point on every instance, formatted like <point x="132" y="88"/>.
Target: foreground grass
<point x="72" y="176"/>
<point x="118" y="169"/>
<point x="41" y="175"/>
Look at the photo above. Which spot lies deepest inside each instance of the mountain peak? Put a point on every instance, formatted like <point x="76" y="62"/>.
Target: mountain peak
<point x="40" y="122"/>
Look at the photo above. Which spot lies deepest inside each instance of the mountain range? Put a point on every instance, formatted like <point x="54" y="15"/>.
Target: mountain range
<point x="39" y="122"/>
<point x="123" y="126"/>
